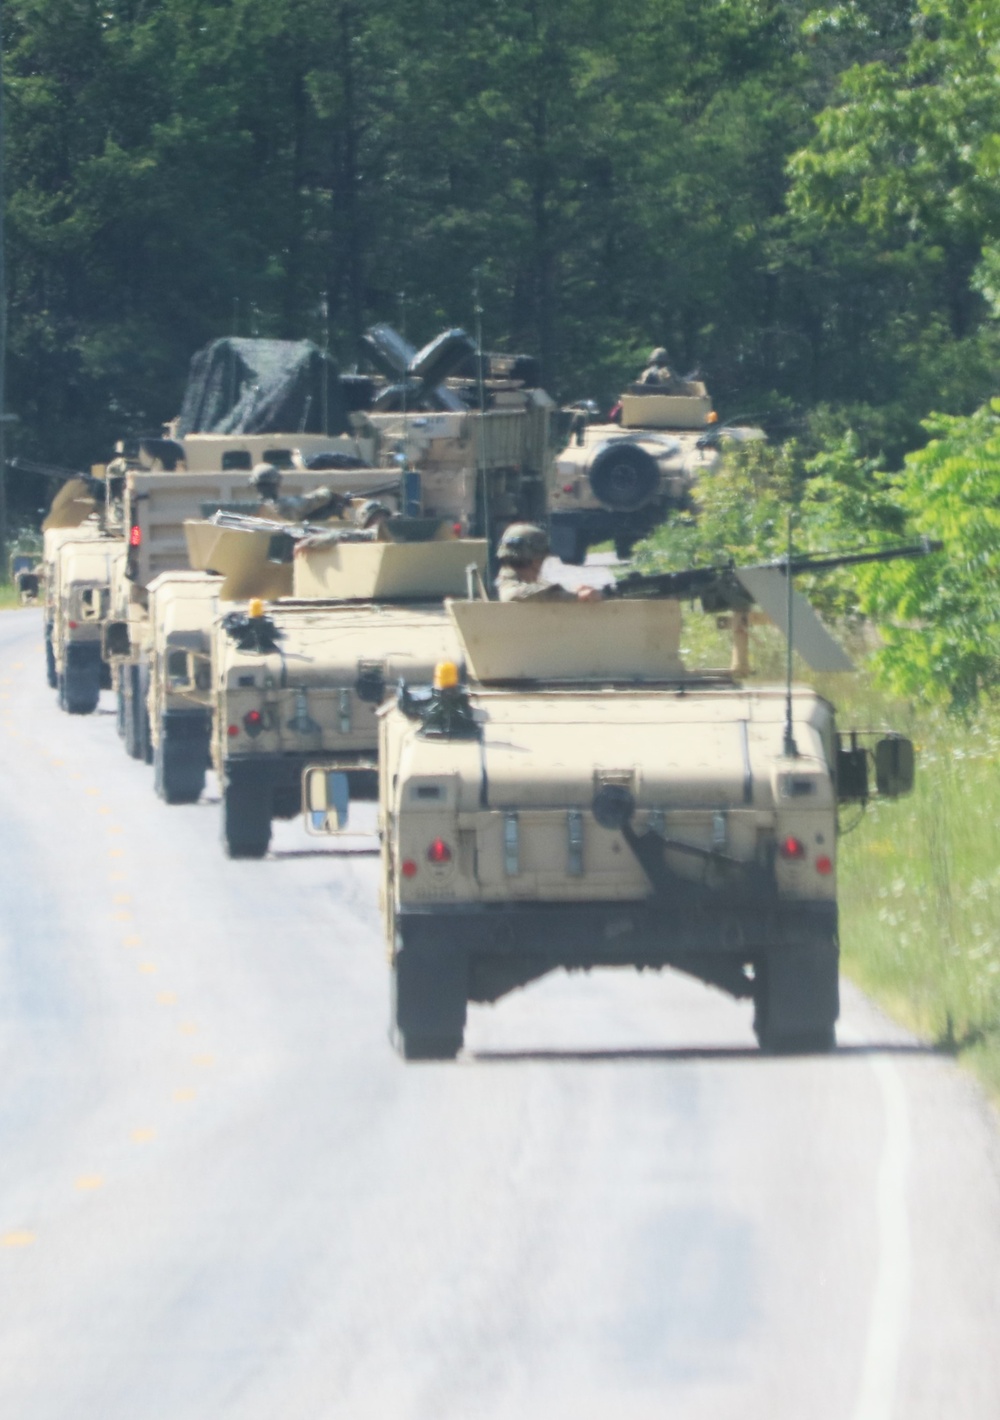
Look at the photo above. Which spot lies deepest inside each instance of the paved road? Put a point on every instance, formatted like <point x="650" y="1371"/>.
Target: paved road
<point x="221" y="1194"/>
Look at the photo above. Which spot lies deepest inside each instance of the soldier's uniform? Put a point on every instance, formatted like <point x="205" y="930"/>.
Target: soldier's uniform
<point x="511" y="587"/>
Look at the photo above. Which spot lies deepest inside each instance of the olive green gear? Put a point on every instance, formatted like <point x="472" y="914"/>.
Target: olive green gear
<point x="522" y="543"/>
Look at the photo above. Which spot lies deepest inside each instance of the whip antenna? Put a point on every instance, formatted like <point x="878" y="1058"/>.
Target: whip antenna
<point x="791" y="749"/>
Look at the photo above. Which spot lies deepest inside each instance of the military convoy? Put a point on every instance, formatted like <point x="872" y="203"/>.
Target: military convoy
<point x="616" y="481"/>
<point x="556" y="788"/>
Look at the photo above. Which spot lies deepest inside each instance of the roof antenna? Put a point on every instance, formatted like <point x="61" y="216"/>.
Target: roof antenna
<point x="483" y="472"/>
<point x="404" y="471"/>
<point x="790" y="748"/>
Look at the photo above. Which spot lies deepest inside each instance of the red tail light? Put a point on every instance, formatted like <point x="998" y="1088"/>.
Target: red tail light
<point x="408" y="868"/>
<point x="253" y="722"/>
<point x="135" y="535"/>
<point x="232" y="731"/>
<point x="439" y="852"/>
<point x="569" y="487"/>
<point x="457" y="529"/>
<point x="72" y="625"/>
<point x="792" y="848"/>
<point x="824" y="865"/>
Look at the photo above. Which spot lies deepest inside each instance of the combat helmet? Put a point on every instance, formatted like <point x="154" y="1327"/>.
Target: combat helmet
<point x="370" y="512"/>
<point x="266" y="481"/>
<point x="522" y="543"/>
<point x="658" y="356"/>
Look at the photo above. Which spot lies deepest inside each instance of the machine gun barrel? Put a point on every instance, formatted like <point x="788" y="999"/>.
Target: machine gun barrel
<point x="48" y="470"/>
<point x="718" y="582"/>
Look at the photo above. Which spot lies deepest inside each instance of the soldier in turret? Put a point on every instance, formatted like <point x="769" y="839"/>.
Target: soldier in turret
<point x="521" y="552"/>
<point x="659" y="374"/>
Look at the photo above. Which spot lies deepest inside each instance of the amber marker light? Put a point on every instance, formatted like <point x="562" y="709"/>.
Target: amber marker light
<point x="255" y="608"/>
<point x="445" y="675"/>
<point x="712" y="417"/>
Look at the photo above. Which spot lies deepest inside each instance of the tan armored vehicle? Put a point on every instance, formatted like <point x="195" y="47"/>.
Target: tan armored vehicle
<point x="297" y="680"/>
<point x="183" y="607"/>
<point x="155" y="504"/>
<point x="617" y="481"/>
<point x="575" y="796"/>
<point x="473" y="450"/>
<point x="27" y="574"/>
<point x="77" y="589"/>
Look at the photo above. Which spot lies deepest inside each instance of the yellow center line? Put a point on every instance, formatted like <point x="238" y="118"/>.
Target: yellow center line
<point x="204" y="1062"/>
<point x="20" y="1237"/>
<point x="131" y="941"/>
<point x="121" y="897"/>
<point x="88" y="1181"/>
<point x="103" y="809"/>
<point x="188" y="1028"/>
<point x="148" y="967"/>
<point x="143" y="1136"/>
<point x="116" y="852"/>
<point x="167" y="998"/>
<point x="183" y="1096"/>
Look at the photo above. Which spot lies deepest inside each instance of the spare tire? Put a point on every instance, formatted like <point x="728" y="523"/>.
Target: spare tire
<point x="623" y="476"/>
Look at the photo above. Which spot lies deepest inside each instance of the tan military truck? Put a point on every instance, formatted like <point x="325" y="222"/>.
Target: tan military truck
<point x="183" y="606"/>
<point x="77" y="591"/>
<point x="617" y="481"/>
<point x="298" y="680"/>
<point x="157" y="502"/>
<point x="572" y="795"/>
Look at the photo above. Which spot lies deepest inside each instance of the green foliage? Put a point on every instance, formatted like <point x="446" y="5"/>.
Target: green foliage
<point x="940" y="617"/>
<point x="920" y="891"/>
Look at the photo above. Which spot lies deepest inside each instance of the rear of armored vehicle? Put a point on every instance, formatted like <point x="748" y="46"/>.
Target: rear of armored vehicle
<point x="156" y="506"/>
<point x="299" y="685"/>
<point x="79" y="605"/>
<point x="449" y="454"/>
<point x="606" y="818"/>
<point x="183" y="607"/>
<point x="616" y="482"/>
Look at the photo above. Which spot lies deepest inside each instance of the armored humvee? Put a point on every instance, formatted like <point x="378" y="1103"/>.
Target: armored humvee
<point x="78" y="569"/>
<point x="155" y="504"/>
<point x="297" y="680"/>
<point x="579" y="798"/>
<point x="617" y="481"/>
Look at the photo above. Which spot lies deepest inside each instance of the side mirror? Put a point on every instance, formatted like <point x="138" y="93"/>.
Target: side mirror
<point x="894" y="766"/>
<point x="327" y="798"/>
<point x="116" y="639"/>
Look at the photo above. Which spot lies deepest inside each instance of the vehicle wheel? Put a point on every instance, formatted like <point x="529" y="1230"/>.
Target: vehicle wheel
<point x="145" y="731"/>
<point x="623" y="548"/>
<point x="623" y="476"/>
<point x="429" y="992"/>
<point x="105" y="675"/>
<point x="81" y="680"/>
<point x="61" y="691"/>
<point x="179" y="766"/>
<point x="50" y="660"/>
<point x="797" y="999"/>
<point x="246" y="811"/>
<point x="130" y="690"/>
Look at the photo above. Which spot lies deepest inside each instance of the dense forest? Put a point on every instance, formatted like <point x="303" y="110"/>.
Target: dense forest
<point x="800" y="204"/>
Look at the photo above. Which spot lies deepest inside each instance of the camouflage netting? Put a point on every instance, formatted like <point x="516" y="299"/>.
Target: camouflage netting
<point x="262" y="387"/>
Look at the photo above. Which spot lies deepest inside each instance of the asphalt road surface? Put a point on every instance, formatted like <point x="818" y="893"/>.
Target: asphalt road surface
<point x="222" y="1194"/>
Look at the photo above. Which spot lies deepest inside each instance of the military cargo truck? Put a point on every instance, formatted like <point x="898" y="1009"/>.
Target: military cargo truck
<point x="576" y="797"/>
<point x="298" y="681"/>
<point x="617" y="481"/>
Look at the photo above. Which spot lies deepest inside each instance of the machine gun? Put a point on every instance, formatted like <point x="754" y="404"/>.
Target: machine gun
<point x="57" y="474"/>
<point x="737" y="590"/>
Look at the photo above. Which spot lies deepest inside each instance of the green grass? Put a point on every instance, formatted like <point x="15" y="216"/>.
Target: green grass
<point x="9" y="596"/>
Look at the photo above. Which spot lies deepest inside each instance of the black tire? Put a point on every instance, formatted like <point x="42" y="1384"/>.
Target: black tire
<point x="623" y="548"/>
<point x="246" y="810"/>
<point x="429" y="991"/>
<point x="50" y="660"/>
<point x="623" y="476"/>
<point x="797" y="999"/>
<point x="80" y="681"/>
<point x="105" y="675"/>
<point x="145" y="729"/>
<point x="569" y="544"/>
<point x="180" y="758"/>
<point x="133" y="716"/>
